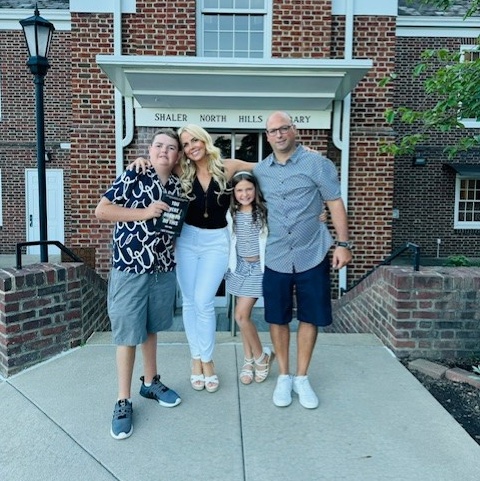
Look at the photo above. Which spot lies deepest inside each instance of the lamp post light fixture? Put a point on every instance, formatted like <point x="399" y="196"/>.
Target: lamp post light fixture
<point x="38" y="35"/>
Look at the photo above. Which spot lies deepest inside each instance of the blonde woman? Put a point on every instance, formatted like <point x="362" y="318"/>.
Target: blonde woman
<point x="202" y="249"/>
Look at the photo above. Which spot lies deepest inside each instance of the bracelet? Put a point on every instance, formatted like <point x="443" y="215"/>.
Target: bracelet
<point x="348" y="245"/>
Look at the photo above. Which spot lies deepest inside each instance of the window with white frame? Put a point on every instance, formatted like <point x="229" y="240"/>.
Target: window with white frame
<point x="467" y="202"/>
<point x="234" y="28"/>
<point x="469" y="53"/>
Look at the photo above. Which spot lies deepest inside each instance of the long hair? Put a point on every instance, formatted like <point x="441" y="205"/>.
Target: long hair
<point x="215" y="164"/>
<point x="259" y="207"/>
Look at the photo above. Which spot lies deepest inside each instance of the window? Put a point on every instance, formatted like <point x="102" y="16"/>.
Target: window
<point x="250" y="147"/>
<point x="467" y="202"/>
<point x="234" y="28"/>
<point x="470" y="54"/>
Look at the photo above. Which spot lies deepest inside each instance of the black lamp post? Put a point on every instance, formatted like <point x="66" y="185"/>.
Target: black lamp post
<point x="38" y="35"/>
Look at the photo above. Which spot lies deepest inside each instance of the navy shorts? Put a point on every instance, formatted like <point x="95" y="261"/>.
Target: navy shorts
<point x="139" y="304"/>
<point x="312" y="287"/>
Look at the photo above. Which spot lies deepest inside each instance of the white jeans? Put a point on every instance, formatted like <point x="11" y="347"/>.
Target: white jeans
<point x="202" y="259"/>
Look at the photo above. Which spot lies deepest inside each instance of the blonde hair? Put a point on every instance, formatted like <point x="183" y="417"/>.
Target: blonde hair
<point x="215" y="165"/>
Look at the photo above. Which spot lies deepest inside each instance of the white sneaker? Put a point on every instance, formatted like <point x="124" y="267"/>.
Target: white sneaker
<point x="308" y="398"/>
<point x="282" y="395"/>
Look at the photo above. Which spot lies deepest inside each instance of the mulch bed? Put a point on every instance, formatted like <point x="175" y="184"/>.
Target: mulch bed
<point x="461" y="400"/>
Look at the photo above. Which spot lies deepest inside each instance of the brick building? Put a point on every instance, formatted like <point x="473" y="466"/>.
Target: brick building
<point x="436" y="202"/>
<point x="122" y="68"/>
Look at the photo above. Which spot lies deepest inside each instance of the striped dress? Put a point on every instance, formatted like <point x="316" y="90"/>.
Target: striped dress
<point x="246" y="281"/>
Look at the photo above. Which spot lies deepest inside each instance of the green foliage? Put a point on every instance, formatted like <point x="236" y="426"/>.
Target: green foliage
<point x="446" y="4"/>
<point x="460" y="261"/>
<point x="453" y="93"/>
<point x="476" y="369"/>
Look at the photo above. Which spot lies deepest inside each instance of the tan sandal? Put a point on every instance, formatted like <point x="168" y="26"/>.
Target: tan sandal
<point x="246" y="374"/>
<point x="263" y="364"/>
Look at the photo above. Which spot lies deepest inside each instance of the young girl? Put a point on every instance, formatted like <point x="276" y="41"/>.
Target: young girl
<point x="248" y="232"/>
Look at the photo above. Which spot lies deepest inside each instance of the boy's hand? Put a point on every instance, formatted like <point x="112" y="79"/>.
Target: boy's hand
<point x="156" y="209"/>
<point x="140" y="164"/>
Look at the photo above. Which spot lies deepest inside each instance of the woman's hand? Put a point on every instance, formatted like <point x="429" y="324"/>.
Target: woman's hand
<point x="140" y="164"/>
<point x="323" y="216"/>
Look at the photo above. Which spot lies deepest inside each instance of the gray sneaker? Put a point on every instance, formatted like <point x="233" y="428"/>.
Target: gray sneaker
<point x="122" y="426"/>
<point x="157" y="390"/>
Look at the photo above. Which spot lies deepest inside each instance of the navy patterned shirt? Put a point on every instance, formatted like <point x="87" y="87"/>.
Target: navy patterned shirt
<point x="137" y="246"/>
<point x="295" y="193"/>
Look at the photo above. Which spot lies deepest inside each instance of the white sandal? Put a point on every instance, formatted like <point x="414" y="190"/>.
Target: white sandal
<point x="246" y="374"/>
<point x="211" y="382"/>
<point x="262" y="369"/>
<point x="197" y="381"/>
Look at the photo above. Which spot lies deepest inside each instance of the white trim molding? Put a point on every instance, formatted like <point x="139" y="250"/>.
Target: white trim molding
<point x="366" y="7"/>
<point x="103" y="6"/>
<point x="448" y="27"/>
<point x="10" y="18"/>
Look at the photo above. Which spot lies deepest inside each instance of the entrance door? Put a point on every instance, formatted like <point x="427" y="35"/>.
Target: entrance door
<point x="55" y="209"/>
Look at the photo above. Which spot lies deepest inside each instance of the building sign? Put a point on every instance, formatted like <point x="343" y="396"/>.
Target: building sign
<point x="231" y="119"/>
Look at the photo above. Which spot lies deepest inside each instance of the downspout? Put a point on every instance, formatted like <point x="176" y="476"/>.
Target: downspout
<point x="341" y="121"/>
<point x="120" y="141"/>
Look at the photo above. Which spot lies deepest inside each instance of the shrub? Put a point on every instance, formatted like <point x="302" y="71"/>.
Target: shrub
<point x="461" y="261"/>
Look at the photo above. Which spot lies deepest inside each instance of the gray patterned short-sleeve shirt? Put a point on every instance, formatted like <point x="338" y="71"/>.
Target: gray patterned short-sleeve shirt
<point x="295" y="193"/>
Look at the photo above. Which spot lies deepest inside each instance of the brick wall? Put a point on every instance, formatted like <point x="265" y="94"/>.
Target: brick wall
<point x="18" y="127"/>
<point x="170" y="33"/>
<point x="93" y="132"/>
<point x="301" y="32"/>
<point x="370" y="174"/>
<point x="432" y="313"/>
<point x="425" y="196"/>
<point x="46" y="309"/>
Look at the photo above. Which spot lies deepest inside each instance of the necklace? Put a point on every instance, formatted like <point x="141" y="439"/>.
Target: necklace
<point x="205" y="213"/>
<point x="205" y="196"/>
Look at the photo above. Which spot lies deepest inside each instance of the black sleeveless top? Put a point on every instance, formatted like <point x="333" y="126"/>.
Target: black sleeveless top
<point x="208" y="210"/>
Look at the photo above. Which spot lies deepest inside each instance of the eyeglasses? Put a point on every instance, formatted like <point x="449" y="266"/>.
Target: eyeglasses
<point x="283" y="130"/>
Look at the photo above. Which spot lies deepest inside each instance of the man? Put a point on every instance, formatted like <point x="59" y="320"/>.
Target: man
<point x="296" y="184"/>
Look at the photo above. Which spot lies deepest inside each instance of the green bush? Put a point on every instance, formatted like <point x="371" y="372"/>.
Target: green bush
<point x="461" y="261"/>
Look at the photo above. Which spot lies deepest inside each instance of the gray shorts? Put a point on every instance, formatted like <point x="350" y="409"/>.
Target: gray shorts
<point x="140" y="304"/>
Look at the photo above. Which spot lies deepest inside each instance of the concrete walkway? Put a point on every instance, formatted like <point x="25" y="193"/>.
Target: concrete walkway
<point x="375" y="421"/>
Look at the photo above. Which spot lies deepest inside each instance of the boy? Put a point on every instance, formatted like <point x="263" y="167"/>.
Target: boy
<point x="141" y="288"/>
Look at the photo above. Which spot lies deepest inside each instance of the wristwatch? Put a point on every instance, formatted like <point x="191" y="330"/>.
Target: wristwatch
<point x="348" y="245"/>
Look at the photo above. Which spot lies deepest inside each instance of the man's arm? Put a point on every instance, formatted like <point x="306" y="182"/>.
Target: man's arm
<point x="341" y="255"/>
<point x="235" y="165"/>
